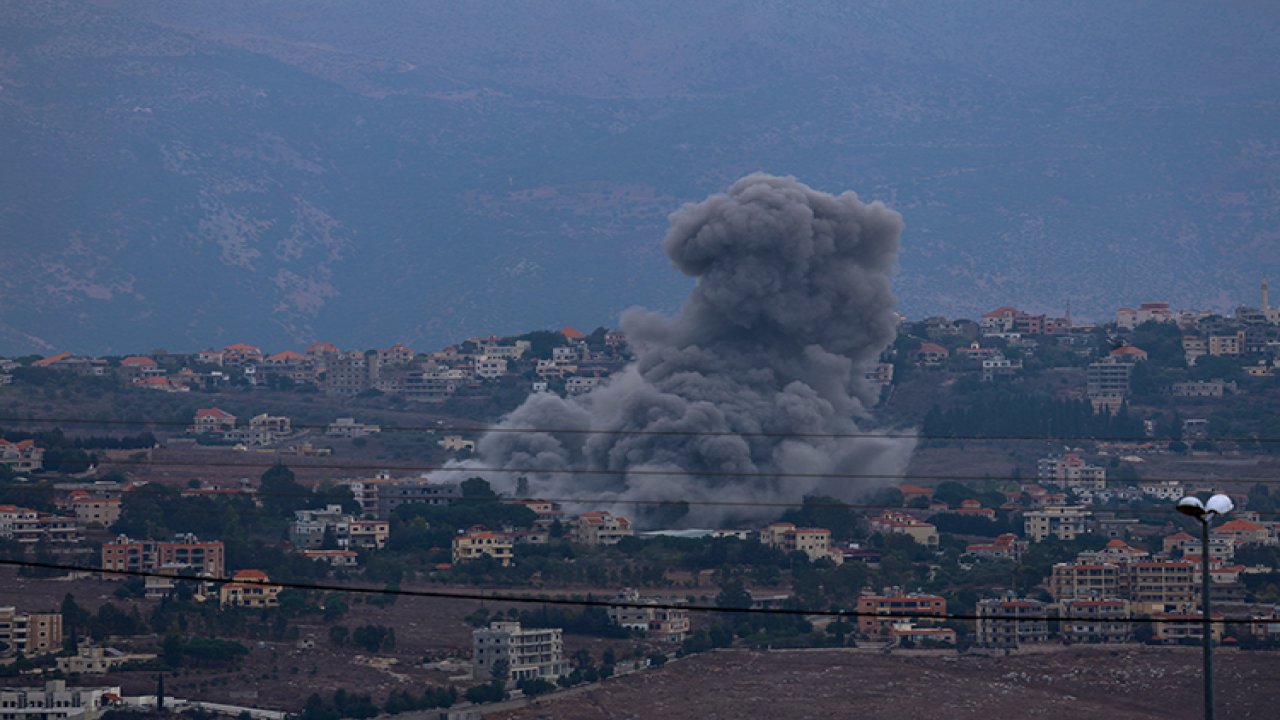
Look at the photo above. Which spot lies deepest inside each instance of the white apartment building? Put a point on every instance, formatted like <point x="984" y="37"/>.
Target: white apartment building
<point x="528" y="652"/>
<point x="54" y="701"/>
<point x="1062" y="522"/>
<point x="1070" y="470"/>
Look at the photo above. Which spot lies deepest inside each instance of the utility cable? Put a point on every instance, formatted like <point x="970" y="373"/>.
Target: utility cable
<point x="573" y="602"/>
<point x="481" y="430"/>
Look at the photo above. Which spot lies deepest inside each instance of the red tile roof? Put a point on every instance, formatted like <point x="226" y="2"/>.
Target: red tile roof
<point x="51" y="360"/>
<point x="572" y="334"/>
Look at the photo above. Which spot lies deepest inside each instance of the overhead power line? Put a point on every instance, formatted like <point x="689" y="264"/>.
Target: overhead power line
<point x="588" y="602"/>
<point x="268" y="462"/>
<point x="331" y="494"/>
<point x="481" y="430"/>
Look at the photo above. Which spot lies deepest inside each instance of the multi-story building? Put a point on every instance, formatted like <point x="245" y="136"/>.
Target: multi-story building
<point x="878" y="613"/>
<point x="1245" y="532"/>
<point x="21" y="456"/>
<point x="1163" y="489"/>
<point x="56" y="701"/>
<point x="490" y="368"/>
<point x="659" y="623"/>
<point x="1222" y="548"/>
<point x="213" y="421"/>
<point x="1005" y="547"/>
<point x="307" y="531"/>
<point x="397" y="354"/>
<point x="1064" y="522"/>
<point x="309" y="528"/>
<point x="1085" y="580"/>
<point x="17" y="523"/>
<point x="1128" y="319"/>
<point x="1011" y="622"/>
<point x="1194" y="347"/>
<point x="1230" y="345"/>
<point x="894" y="522"/>
<point x="346" y="374"/>
<point x="1178" y="627"/>
<point x="96" y="510"/>
<point x="1203" y="388"/>
<point x="1107" y="383"/>
<point x="1070" y="470"/>
<point x="380" y="496"/>
<point x="262" y="429"/>
<point x="1162" y="586"/>
<point x="30" y="633"/>
<point x="207" y="558"/>
<point x="1095" y="621"/>
<point x="251" y="589"/>
<point x="815" y="543"/>
<point x="601" y="528"/>
<point x="580" y="384"/>
<point x="999" y="367"/>
<point x="528" y="653"/>
<point x="30" y="526"/>
<point x="477" y="543"/>
<point x="241" y="355"/>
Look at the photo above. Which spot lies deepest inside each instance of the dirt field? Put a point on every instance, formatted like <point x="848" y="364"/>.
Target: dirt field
<point x="1126" y="684"/>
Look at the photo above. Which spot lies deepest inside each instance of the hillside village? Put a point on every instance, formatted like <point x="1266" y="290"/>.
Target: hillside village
<point x="1080" y="539"/>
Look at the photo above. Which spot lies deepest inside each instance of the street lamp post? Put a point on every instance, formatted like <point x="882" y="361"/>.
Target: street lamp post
<point x="1204" y="512"/>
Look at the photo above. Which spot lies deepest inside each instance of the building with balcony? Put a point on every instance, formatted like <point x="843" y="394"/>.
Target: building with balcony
<point x="528" y="653"/>
<point x="601" y="528"/>
<point x="1064" y="522"/>
<point x="249" y="589"/>
<point x="1011" y="622"/>
<point x="1095" y="620"/>
<point x="30" y="633"/>
<point x="879" y="612"/>
<point x="477" y="543"/>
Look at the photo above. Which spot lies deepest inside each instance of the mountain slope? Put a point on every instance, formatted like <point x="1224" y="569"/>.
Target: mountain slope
<point x="189" y="174"/>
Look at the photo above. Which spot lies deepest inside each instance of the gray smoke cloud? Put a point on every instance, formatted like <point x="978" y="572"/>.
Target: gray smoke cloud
<point x="792" y="305"/>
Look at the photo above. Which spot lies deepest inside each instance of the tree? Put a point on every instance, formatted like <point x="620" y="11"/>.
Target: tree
<point x="338" y="635"/>
<point x="477" y="487"/>
<point x="500" y="672"/>
<point x="281" y="493"/>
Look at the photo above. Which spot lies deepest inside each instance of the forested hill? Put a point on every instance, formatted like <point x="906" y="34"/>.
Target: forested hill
<point x="181" y="174"/>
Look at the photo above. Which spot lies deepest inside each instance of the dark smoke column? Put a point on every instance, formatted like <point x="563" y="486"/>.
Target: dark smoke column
<point x="733" y="395"/>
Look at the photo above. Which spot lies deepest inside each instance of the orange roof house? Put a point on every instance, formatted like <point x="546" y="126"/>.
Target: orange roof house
<point x="570" y="333"/>
<point x="288" y="356"/>
<point x="51" y="360"/>
<point x="138" y="361"/>
<point x="1129" y="353"/>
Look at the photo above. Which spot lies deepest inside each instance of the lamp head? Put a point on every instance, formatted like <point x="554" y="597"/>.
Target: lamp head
<point x="1220" y="505"/>
<point x="1192" y="506"/>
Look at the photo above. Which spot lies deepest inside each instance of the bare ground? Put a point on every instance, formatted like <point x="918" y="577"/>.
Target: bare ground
<point x="1123" y="684"/>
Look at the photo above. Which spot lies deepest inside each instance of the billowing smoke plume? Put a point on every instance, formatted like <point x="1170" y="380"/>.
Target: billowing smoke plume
<point x="729" y="398"/>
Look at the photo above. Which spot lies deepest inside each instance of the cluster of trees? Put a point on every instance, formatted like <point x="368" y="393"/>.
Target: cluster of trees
<point x="371" y="638"/>
<point x="343" y="705"/>
<point x="201" y="651"/>
<point x="72" y="455"/>
<point x="1005" y="414"/>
